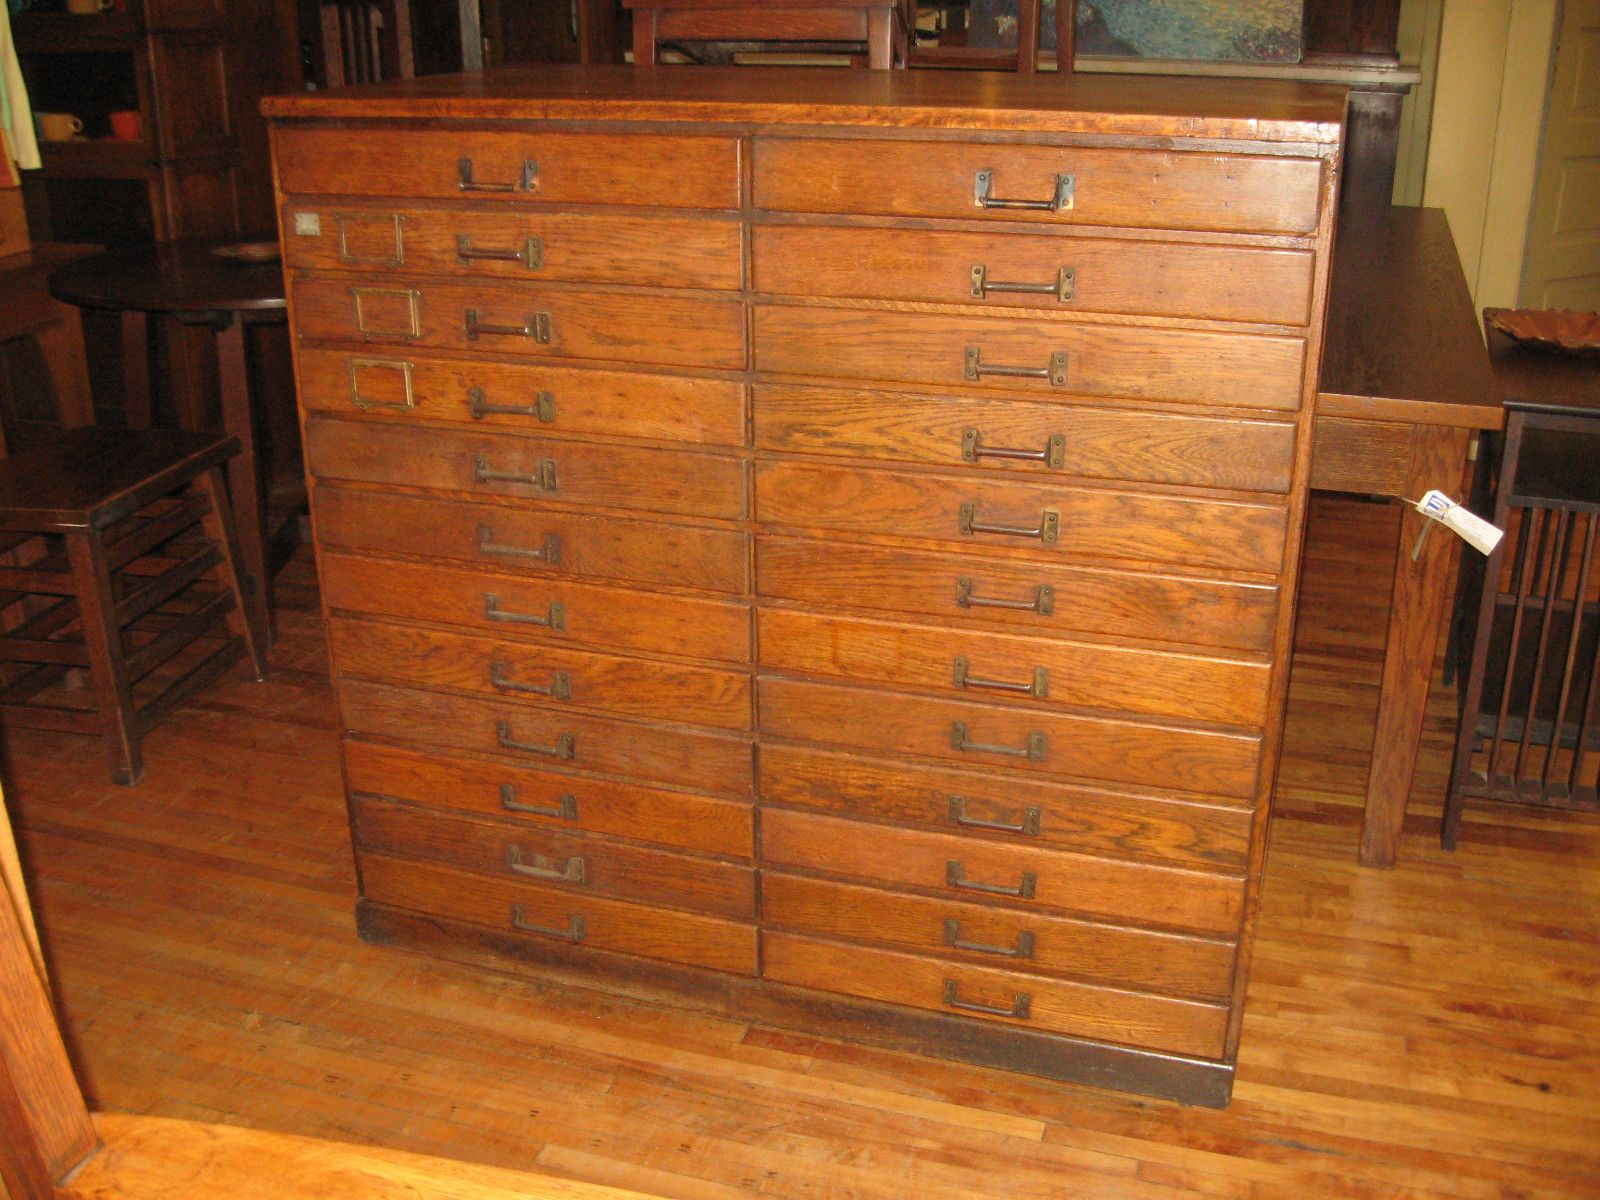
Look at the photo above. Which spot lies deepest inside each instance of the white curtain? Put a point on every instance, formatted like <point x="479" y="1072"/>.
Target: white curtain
<point x="16" y="115"/>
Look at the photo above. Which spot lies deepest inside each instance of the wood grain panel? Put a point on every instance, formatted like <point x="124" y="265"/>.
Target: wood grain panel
<point x="613" y="925"/>
<point x="1249" y="370"/>
<point x="653" y="170"/>
<point x="1177" y="608"/>
<point x="1137" y="278"/>
<point x="539" y="797"/>
<point x="1076" y="674"/>
<point x="1176" y="964"/>
<point x="652" y="250"/>
<point x="1143" y="188"/>
<point x="1095" y="442"/>
<point x="1361" y="456"/>
<point x="639" y="688"/>
<point x="677" y="483"/>
<point x="980" y="804"/>
<point x="1120" y="891"/>
<point x="601" y="617"/>
<point x="607" y="326"/>
<point x="518" y="539"/>
<point x="562" y="401"/>
<point x="1178" y="1026"/>
<point x="650" y="753"/>
<point x="1093" y="523"/>
<point x="587" y="865"/>
<point x="1084" y="747"/>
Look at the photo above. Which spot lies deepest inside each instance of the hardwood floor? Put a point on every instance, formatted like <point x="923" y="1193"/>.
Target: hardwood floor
<point x="1433" y="1031"/>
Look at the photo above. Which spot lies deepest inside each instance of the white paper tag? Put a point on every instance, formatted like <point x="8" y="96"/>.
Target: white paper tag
<point x="1477" y="532"/>
<point x="308" y="224"/>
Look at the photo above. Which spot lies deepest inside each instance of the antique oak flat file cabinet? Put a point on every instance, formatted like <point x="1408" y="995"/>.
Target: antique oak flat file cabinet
<point x="819" y="546"/>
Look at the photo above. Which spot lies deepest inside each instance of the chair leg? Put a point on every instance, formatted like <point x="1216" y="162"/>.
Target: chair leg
<point x="97" y="612"/>
<point x="248" y="619"/>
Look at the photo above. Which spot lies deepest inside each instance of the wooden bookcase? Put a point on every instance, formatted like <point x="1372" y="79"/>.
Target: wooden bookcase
<point x="166" y="59"/>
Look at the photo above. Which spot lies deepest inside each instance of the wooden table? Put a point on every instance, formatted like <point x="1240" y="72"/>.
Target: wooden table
<point x="1405" y="388"/>
<point x="189" y="281"/>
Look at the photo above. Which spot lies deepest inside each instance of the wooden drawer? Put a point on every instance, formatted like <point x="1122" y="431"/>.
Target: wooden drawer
<point x="1046" y="518"/>
<point x="635" y="688"/>
<point x="963" y="589"/>
<point x="983" y="993"/>
<point x="1069" y="439"/>
<point x="535" y="541"/>
<point x="577" y="862"/>
<point x="982" y="872"/>
<point x="576" y="613"/>
<point x="647" y="250"/>
<point x="948" y="351"/>
<point x="555" y="914"/>
<point x="1141" y="188"/>
<point x="990" y="736"/>
<point x="539" y="797"/>
<point x="1076" y="274"/>
<point x="1001" y="808"/>
<point x="537" y="322"/>
<point x="529" y="397"/>
<point x="1173" y="963"/>
<point x="1032" y="671"/>
<point x="543" y="737"/>
<point x="676" y="482"/>
<point x="651" y="170"/>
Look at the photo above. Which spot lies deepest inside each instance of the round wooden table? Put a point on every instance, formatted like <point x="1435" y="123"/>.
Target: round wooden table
<point x="220" y="284"/>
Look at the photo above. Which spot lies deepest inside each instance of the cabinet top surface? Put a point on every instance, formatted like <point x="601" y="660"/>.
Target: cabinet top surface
<point x="1233" y="109"/>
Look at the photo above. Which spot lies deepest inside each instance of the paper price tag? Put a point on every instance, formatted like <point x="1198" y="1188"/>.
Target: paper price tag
<point x="1477" y="532"/>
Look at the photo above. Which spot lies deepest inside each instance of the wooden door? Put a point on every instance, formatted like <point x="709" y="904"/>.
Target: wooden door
<point x="1561" y="268"/>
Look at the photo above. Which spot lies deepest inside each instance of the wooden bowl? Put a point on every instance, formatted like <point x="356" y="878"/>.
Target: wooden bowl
<point x="1564" y="331"/>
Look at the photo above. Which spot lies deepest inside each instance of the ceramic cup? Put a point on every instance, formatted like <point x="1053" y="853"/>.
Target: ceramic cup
<point x="127" y="125"/>
<point x="57" y="127"/>
<point x="85" y="7"/>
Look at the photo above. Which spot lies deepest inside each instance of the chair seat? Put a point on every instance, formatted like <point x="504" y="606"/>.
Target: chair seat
<point x="93" y="476"/>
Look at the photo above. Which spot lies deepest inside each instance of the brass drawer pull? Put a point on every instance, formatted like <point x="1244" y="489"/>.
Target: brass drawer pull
<point x="544" y="478"/>
<point x="531" y="255"/>
<point x="952" y="938"/>
<point x="559" y="687"/>
<point x="1020" y="1004"/>
<point x="549" y="552"/>
<point x="575" y="931"/>
<point x="967" y="522"/>
<point x="575" y="870"/>
<point x="543" y="407"/>
<point x="555" y="616"/>
<point x="983" y="183"/>
<point x="536" y="327"/>
<point x="527" y="183"/>
<point x="1033" y="751"/>
<point x="565" y="745"/>
<point x="954" y="877"/>
<point x="1055" y="372"/>
<point x="1064" y="289"/>
<point x="1039" y="686"/>
<point x="1043" y="602"/>
<point x="1028" y="825"/>
<point x="566" y="808"/>
<point x="1054" y="453"/>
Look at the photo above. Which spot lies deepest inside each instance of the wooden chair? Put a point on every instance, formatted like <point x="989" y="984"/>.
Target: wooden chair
<point x="106" y="522"/>
<point x="883" y="26"/>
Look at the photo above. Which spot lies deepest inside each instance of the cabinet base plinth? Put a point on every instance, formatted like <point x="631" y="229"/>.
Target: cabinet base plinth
<point x="759" y="1001"/>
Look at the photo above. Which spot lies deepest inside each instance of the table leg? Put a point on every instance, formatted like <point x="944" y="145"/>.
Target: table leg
<point x="136" y="369"/>
<point x="246" y="481"/>
<point x="1417" y="611"/>
<point x="61" y="343"/>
